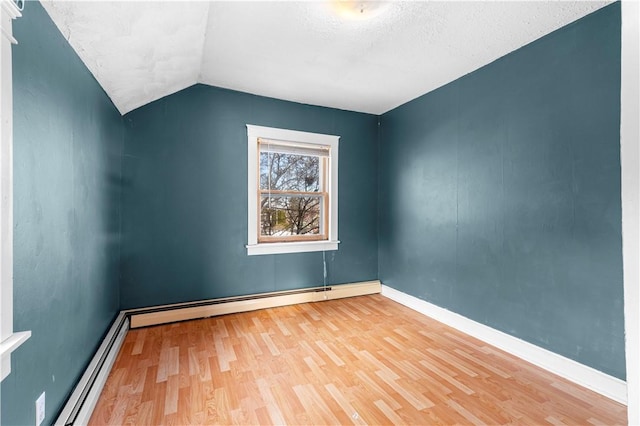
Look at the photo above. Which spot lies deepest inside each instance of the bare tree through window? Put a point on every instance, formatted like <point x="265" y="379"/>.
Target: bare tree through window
<point x="291" y="194"/>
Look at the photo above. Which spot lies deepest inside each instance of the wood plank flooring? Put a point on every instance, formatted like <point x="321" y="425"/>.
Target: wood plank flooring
<point x="363" y="360"/>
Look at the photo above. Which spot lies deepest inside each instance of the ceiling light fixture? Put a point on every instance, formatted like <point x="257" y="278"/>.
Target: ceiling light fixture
<point x="358" y="10"/>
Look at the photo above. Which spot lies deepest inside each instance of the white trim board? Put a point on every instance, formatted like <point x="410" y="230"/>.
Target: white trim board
<point x="7" y="346"/>
<point x="630" y="180"/>
<point x="9" y="341"/>
<point x="590" y="378"/>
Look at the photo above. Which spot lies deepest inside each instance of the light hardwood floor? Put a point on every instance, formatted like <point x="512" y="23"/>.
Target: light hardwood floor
<point x="363" y="360"/>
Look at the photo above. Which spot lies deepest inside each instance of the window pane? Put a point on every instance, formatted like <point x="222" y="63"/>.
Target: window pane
<point x="289" y="172"/>
<point x="290" y="215"/>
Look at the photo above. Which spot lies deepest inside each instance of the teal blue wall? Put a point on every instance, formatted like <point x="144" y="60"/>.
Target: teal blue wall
<point x="496" y="196"/>
<point x="500" y="194"/>
<point x="185" y="198"/>
<point x="68" y="140"/>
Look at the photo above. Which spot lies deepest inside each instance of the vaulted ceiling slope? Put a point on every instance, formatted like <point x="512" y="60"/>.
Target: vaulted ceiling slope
<point x="141" y="51"/>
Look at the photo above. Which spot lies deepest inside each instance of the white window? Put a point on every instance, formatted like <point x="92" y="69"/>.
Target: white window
<point x="292" y="191"/>
<point x="9" y="340"/>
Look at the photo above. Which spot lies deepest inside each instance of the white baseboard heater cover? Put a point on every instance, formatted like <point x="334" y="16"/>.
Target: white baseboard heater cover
<point x="79" y="406"/>
<point x="230" y="305"/>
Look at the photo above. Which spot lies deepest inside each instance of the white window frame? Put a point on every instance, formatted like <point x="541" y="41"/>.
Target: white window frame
<point x="9" y="341"/>
<point x="258" y="248"/>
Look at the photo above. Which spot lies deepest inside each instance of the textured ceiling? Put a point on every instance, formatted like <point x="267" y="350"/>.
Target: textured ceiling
<point x="299" y="51"/>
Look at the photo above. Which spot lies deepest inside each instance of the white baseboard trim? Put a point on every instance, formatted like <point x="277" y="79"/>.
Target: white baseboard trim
<point x="590" y="378"/>
<point x="208" y="308"/>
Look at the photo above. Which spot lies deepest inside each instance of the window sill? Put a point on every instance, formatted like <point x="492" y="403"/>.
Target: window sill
<point x="293" y="247"/>
<point x="9" y="345"/>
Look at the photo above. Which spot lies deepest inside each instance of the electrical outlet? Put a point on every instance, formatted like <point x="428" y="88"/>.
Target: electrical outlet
<point x="40" y="410"/>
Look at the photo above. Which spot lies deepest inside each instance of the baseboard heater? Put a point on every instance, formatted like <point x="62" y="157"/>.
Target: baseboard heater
<point x="80" y="405"/>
